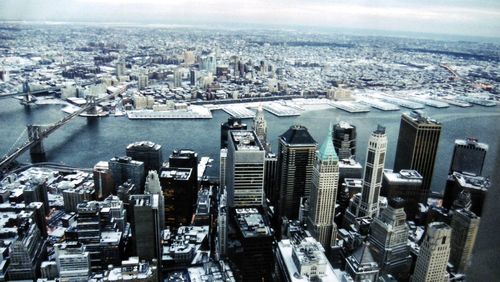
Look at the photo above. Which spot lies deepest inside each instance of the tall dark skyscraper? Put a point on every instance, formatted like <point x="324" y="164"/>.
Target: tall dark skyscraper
<point x="417" y="145"/>
<point x="344" y="139"/>
<point x="146" y="225"/>
<point x="185" y="158"/>
<point x="178" y="193"/>
<point x="296" y="161"/>
<point x="406" y="184"/>
<point x="468" y="156"/>
<point x="147" y="152"/>
<point x="124" y="168"/>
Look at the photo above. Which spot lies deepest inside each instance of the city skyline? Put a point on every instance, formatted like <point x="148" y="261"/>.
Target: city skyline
<point x="463" y="18"/>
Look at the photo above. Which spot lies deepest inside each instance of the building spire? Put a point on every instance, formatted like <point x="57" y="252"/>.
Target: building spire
<point x="327" y="150"/>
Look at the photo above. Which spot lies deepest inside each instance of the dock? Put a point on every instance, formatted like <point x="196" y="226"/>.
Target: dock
<point x="351" y="107"/>
<point x="280" y="110"/>
<point x="237" y="111"/>
<point x="377" y="104"/>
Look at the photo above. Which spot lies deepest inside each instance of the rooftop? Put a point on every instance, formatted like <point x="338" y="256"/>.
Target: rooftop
<point x="245" y="140"/>
<point x="297" y="135"/>
<point x="403" y="176"/>
<point x="144" y="145"/>
<point x="251" y="223"/>
<point x="176" y="173"/>
<point x="420" y="117"/>
<point x="473" y="142"/>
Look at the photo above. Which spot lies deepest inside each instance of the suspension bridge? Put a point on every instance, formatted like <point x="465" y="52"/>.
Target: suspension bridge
<point x="36" y="133"/>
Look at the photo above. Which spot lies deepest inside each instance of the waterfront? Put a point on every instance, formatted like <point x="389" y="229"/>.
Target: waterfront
<point x="83" y="144"/>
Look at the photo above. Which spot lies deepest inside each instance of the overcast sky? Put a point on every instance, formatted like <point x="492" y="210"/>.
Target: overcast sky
<point x="461" y="17"/>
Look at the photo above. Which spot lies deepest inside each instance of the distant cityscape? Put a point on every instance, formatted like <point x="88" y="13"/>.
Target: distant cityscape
<point x="313" y="208"/>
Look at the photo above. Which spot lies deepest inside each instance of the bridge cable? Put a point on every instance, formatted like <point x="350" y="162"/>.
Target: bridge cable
<point x="17" y="140"/>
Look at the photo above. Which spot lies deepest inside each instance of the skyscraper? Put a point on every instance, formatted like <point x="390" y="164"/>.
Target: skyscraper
<point x="324" y="193"/>
<point x="124" y="168"/>
<point x="433" y="255"/>
<point x="147" y="152"/>
<point x="389" y="240"/>
<point x="179" y="195"/>
<point x="468" y="156"/>
<point x="296" y="160"/>
<point x="477" y="186"/>
<point x="406" y="184"/>
<point x="361" y="265"/>
<point x="368" y="204"/>
<point x="260" y="128"/>
<point x="245" y="169"/>
<point x="104" y="183"/>
<point x="231" y="124"/>
<point x="73" y="262"/>
<point x="153" y="187"/>
<point x="146" y="225"/>
<point x="417" y="145"/>
<point x="344" y="140"/>
<point x="464" y="226"/>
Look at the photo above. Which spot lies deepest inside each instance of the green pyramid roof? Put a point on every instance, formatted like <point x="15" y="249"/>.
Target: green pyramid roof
<point x="327" y="149"/>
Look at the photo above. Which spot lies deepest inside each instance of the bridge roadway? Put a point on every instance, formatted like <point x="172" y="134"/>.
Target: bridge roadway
<point x="5" y="161"/>
<point x="55" y="88"/>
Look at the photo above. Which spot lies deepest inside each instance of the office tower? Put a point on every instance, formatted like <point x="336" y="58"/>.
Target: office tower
<point x="368" y="204"/>
<point x="244" y="169"/>
<point x="349" y="168"/>
<point x="271" y="177"/>
<point x="185" y="158"/>
<point x="146" y="225"/>
<point x="464" y="225"/>
<point x="104" y="183"/>
<point x="222" y="221"/>
<point x="26" y="251"/>
<point x="477" y="186"/>
<point x="231" y="124"/>
<point x="153" y="187"/>
<point x="433" y="255"/>
<point x="295" y="165"/>
<point x="89" y="231"/>
<point x="74" y="196"/>
<point x="147" y="152"/>
<point x="303" y="257"/>
<point x="260" y="128"/>
<point x="406" y="184"/>
<point x="73" y="262"/>
<point x="417" y="145"/>
<point x="468" y="156"/>
<point x="389" y="240"/>
<point x="179" y="195"/>
<point x="324" y="193"/>
<point x="124" y="168"/>
<point x="361" y="265"/>
<point x="222" y="167"/>
<point x="251" y="246"/>
<point x="48" y="270"/>
<point x="344" y="140"/>
<point x="37" y="192"/>
<point x="39" y="217"/>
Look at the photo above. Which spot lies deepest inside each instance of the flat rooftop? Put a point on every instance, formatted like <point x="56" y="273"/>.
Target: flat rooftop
<point x="251" y="223"/>
<point x="403" y="176"/>
<point x="245" y="140"/>
<point x="176" y="173"/>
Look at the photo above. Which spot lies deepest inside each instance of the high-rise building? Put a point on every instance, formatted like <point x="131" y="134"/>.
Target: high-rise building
<point x="417" y="145"/>
<point x="231" y="124"/>
<point x="324" y="193"/>
<point x="146" y="225"/>
<point x="73" y="262"/>
<point x="260" y="128"/>
<point x="303" y="259"/>
<point x="361" y="265"/>
<point x="344" y="140"/>
<point x="124" y="168"/>
<point x="244" y="169"/>
<point x="433" y="255"/>
<point x="120" y="67"/>
<point x="89" y="231"/>
<point x="222" y="167"/>
<point x="251" y="243"/>
<point x="468" y="156"/>
<point x="177" y="78"/>
<point x="296" y="161"/>
<point x="185" y="158"/>
<point x="142" y="81"/>
<point x="104" y="183"/>
<point x="477" y="186"/>
<point x="153" y="187"/>
<point x="222" y="221"/>
<point x="147" y="152"/>
<point x="37" y="192"/>
<point x="26" y="251"/>
<point x="179" y="195"/>
<point x="368" y="204"/>
<point x="271" y="177"/>
<point x="464" y="225"/>
<point x="406" y="184"/>
<point x="389" y="240"/>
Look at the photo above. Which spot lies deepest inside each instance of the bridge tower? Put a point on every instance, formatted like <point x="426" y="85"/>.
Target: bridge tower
<point x="37" y="151"/>
<point x="28" y="98"/>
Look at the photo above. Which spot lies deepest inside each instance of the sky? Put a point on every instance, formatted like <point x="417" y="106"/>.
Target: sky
<point x="456" y="17"/>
